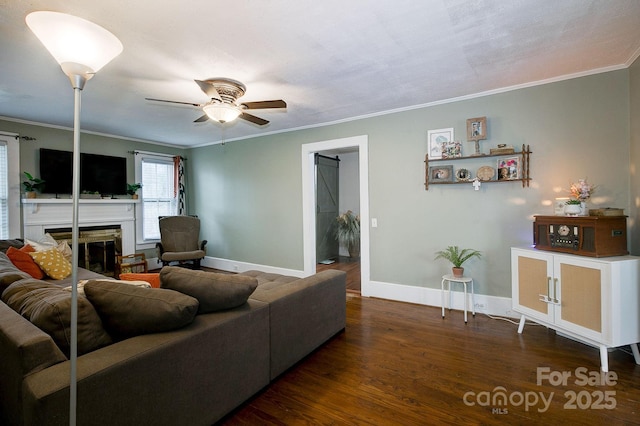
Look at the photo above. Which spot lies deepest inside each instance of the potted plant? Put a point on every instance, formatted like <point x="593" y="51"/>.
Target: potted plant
<point x="348" y="232"/>
<point x="132" y="188"/>
<point x="457" y="257"/>
<point x="573" y="207"/>
<point x="31" y="185"/>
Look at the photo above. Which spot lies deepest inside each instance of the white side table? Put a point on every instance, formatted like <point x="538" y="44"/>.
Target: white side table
<point x="464" y="281"/>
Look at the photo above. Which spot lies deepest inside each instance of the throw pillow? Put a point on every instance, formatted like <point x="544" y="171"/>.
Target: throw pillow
<point x="24" y="262"/>
<point x="131" y="310"/>
<point x="214" y="291"/>
<point x="53" y="263"/>
<point x="9" y="273"/>
<point x="150" y="277"/>
<point x="48" y="242"/>
<point x="48" y="307"/>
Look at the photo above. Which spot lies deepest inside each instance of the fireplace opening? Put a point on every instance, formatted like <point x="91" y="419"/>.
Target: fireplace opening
<point x="98" y="246"/>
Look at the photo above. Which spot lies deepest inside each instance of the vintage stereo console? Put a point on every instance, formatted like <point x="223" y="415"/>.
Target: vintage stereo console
<point x="597" y="236"/>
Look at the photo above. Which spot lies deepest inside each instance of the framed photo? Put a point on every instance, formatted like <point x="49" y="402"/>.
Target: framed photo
<point x="463" y="175"/>
<point x="451" y="149"/>
<point x="509" y="168"/>
<point x="476" y="128"/>
<point x="436" y="139"/>
<point x="441" y="174"/>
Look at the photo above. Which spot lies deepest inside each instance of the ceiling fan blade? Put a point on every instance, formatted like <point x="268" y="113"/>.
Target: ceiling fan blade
<point x="264" y="104"/>
<point x="174" y="102"/>
<point x="252" y="118"/>
<point x="209" y="90"/>
<point x="201" y="119"/>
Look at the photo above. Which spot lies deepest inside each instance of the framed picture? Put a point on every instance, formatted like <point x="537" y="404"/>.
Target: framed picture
<point x="476" y="128"/>
<point x="509" y="168"/>
<point x="451" y="149"/>
<point x="436" y="139"/>
<point x="441" y="174"/>
<point x="463" y="175"/>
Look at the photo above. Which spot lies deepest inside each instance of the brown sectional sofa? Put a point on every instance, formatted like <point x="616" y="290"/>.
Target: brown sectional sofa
<point x="192" y="375"/>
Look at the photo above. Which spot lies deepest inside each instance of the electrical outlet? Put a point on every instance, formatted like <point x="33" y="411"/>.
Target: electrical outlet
<point x="235" y="268"/>
<point x="480" y="306"/>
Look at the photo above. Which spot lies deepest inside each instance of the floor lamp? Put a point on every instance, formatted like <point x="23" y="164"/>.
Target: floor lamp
<point x="81" y="48"/>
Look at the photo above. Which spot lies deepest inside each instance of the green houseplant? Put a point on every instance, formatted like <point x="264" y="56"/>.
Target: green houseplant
<point x="132" y="188"/>
<point x="31" y="185"/>
<point x="457" y="257"/>
<point x="348" y="232"/>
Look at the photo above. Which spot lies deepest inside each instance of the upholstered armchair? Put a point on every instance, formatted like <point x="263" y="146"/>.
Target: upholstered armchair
<point x="179" y="241"/>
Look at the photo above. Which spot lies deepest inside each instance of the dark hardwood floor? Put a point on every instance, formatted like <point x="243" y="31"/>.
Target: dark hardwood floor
<point x="402" y="364"/>
<point x="350" y="266"/>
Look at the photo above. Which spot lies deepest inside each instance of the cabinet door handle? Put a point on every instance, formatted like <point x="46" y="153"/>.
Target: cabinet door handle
<point x="555" y="291"/>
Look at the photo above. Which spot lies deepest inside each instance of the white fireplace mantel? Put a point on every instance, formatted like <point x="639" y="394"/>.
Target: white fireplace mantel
<point x="42" y="214"/>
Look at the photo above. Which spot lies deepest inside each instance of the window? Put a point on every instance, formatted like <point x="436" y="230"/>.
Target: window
<point x="156" y="173"/>
<point x="9" y="187"/>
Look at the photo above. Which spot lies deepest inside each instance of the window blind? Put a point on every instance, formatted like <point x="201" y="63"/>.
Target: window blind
<point x="4" y="191"/>
<point x="158" y="194"/>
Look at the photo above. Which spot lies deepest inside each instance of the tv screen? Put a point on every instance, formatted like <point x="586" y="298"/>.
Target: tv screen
<point x="104" y="174"/>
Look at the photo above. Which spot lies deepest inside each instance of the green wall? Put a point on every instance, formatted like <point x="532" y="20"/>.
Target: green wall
<point x="249" y="193"/>
<point x="634" y="213"/>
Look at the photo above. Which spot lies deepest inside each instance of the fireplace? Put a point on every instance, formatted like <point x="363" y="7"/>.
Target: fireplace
<point x="98" y="246"/>
<point x="42" y="215"/>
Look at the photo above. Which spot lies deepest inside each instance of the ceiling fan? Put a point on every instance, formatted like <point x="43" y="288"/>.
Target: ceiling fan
<point x="223" y="106"/>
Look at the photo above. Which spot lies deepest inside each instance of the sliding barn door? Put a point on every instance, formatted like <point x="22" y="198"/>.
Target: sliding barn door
<point x="326" y="207"/>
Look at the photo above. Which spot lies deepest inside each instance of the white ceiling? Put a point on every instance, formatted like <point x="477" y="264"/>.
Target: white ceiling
<point x="330" y="60"/>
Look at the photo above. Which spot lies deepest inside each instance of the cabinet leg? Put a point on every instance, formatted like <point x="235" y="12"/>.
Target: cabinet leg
<point x="636" y="354"/>
<point x="521" y="325"/>
<point x="604" y="359"/>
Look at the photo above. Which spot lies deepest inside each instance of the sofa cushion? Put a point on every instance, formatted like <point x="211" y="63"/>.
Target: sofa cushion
<point x="152" y="278"/>
<point x="5" y="244"/>
<point x="48" y="307"/>
<point x="20" y="257"/>
<point x="130" y="310"/>
<point x="53" y="263"/>
<point x="9" y="273"/>
<point x="213" y="290"/>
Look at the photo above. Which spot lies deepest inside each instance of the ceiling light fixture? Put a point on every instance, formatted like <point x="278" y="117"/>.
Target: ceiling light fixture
<point x="222" y="112"/>
<point x="81" y="48"/>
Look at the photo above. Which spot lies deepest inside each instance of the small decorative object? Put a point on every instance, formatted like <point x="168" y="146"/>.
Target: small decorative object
<point x="457" y="257"/>
<point x="502" y="149"/>
<point x="451" y="149"/>
<point x="31" y="185"/>
<point x="477" y="131"/>
<point x="558" y="205"/>
<point x="436" y="139"/>
<point x="582" y="191"/>
<point x="509" y="168"/>
<point x="441" y="174"/>
<point x="485" y="173"/>
<point x="476" y="184"/>
<point x="90" y="195"/>
<point x="348" y="232"/>
<point x="572" y="207"/>
<point x="132" y="188"/>
<point x="463" y="175"/>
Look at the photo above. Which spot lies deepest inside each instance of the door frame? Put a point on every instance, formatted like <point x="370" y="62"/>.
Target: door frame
<point x="308" y="203"/>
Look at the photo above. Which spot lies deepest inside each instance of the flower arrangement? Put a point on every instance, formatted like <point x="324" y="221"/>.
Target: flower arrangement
<point x="348" y="232"/>
<point x="582" y="190"/>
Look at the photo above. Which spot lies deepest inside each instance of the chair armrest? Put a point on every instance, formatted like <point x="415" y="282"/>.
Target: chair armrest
<point x="202" y="244"/>
<point x="160" y="249"/>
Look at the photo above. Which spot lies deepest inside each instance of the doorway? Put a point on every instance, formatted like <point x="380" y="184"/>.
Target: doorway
<point x="356" y="143"/>
<point x="327" y="203"/>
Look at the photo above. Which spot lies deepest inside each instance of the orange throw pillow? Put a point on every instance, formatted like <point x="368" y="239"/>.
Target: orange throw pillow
<point x="151" y="278"/>
<point x="21" y="259"/>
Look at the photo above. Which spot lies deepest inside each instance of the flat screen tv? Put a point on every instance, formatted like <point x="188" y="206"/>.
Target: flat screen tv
<point x="104" y="174"/>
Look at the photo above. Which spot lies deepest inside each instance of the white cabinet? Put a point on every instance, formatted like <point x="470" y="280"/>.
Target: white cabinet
<point x="594" y="300"/>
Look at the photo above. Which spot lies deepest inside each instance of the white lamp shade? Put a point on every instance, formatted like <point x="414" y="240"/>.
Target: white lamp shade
<point x="73" y="40"/>
<point x="222" y="112"/>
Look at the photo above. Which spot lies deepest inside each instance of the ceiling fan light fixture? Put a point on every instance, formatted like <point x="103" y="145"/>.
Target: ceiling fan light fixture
<point x="222" y="112"/>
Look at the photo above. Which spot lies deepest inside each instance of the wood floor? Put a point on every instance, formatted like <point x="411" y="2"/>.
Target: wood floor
<point x="348" y="265"/>
<point x="403" y="364"/>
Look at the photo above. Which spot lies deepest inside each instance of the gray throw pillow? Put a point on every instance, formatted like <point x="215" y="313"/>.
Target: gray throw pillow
<point x="214" y="291"/>
<point x="9" y="273"/>
<point x="48" y="307"/>
<point x="128" y="310"/>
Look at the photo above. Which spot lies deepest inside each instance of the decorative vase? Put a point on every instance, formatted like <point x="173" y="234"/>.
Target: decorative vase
<point x="354" y="251"/>
<point x="134" y="196"/>
<point x="457" y="272"/>
<point x="583" y="208"/>
<point x="572" y="209"/>
<point x="30" y="194"/>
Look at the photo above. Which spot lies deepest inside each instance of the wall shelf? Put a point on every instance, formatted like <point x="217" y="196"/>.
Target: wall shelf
<point x="524" y="172"/>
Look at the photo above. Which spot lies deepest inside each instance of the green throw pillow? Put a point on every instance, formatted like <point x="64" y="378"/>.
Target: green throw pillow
<point x="214" y="291"/>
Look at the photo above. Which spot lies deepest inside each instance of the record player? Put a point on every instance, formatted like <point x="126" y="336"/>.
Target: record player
<point x="596" y="236"/>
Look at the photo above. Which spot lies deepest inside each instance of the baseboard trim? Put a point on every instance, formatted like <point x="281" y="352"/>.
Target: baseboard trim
<point x="236" y="266"/>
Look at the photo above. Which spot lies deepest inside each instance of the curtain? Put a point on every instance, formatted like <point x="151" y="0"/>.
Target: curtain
<point x="179" y="187"/>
